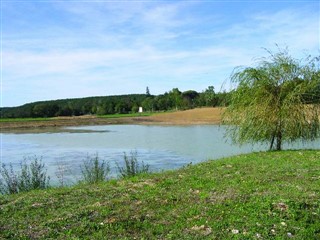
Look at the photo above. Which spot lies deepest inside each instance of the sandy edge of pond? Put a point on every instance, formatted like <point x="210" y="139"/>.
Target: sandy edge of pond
<point x="198" y="116"/>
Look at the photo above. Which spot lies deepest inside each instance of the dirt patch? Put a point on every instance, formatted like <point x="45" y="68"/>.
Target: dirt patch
<point x="189" y="117"/>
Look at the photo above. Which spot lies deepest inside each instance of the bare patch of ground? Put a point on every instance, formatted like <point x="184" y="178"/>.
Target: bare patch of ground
<point x="187" y="117"/>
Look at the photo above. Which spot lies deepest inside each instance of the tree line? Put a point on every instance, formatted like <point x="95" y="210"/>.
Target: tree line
<point x="121" y="104"/>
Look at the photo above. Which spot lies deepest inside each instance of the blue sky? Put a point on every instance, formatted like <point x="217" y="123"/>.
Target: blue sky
<point x="68" y="49"/>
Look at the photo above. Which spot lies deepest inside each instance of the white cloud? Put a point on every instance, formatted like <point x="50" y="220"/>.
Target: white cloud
<point x="116" y="48"/>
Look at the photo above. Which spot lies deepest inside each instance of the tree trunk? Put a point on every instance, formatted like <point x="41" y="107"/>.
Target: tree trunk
<point x="276" y="135"/>
<point x="272" y="142"/>
<point x="279" y="141"/>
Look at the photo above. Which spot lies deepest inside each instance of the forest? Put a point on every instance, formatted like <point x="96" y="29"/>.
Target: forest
<point x="102" y="105"/>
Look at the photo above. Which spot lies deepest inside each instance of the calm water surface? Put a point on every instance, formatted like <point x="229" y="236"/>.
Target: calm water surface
<point x="162" y="147"/>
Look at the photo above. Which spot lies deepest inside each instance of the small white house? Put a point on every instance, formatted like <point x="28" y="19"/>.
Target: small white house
<point x="140" y="110"/>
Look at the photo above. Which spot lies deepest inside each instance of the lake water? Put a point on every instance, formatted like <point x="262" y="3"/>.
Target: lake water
<point x="162" y="147"/>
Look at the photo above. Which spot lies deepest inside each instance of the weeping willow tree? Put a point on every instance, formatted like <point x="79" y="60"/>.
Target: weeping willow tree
<point x="276" y="101"/>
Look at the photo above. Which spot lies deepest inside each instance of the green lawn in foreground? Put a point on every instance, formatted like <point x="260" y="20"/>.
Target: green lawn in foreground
<point x="273" y="195"/>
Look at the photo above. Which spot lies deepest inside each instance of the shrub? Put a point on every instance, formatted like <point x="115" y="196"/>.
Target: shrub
<point x="94" y="170"/>
<point x="131" y="166"/>
<point x="31" y="176"/>
<point x="8" y="180"/>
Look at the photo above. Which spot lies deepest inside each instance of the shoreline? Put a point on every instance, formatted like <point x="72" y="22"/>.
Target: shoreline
<point x="198" y="116"/>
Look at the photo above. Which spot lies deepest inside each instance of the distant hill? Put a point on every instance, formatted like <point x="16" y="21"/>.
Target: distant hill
<point x="103" y="105"/>
<point x="75" y="107"/>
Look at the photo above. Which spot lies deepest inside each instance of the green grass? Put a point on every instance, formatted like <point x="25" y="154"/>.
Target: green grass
<point x="273" y="195"/>
<point x="24" y="119"/>
<point x="100" y="116"/>
<point x="118" y="115"/>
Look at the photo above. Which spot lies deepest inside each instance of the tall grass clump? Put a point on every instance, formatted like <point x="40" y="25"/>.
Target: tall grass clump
<point x="61" y="172"/>
<point x="94" y="170"/>
<point x="31" y="176"/>
<point x="131" y="166"/>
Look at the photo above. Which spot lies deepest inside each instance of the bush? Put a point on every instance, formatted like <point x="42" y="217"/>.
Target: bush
<point x="131" y="166"/>
<point x="31" y="176"/>
<point x="94" y="170"/>
<point x="8" y="180"/>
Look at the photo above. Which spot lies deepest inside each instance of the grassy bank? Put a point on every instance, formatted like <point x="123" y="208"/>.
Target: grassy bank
<point x="4" y="120"/>
<point x="145" y="114"/>
<point x="188" y="117"/>
<point x="273" y="195"/>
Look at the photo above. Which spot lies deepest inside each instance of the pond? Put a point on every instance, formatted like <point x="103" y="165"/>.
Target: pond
<point x="162" y="147"/>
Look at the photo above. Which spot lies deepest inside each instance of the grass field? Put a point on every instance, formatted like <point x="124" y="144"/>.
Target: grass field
<point x="126" y="115"/>
<point x="273" y="195"/>
<point x="188" y="117"/>
<point x="24" y="119"/>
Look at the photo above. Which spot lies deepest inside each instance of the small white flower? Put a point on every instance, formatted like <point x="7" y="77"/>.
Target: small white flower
<point x="235" y="231"/>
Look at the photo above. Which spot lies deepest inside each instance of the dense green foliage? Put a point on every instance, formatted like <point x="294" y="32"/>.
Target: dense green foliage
<point x="122" y="104"/>
<point x="272" y="195"/>
<point x="275" y="101"/>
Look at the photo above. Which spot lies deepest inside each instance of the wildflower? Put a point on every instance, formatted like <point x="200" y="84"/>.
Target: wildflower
<point x="235" y="231"/>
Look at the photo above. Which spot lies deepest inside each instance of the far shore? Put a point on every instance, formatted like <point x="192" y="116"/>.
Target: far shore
<point x="198" y="116"/>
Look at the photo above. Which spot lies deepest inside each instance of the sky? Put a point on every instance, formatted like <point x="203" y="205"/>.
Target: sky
<point x="52" y="49"/>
